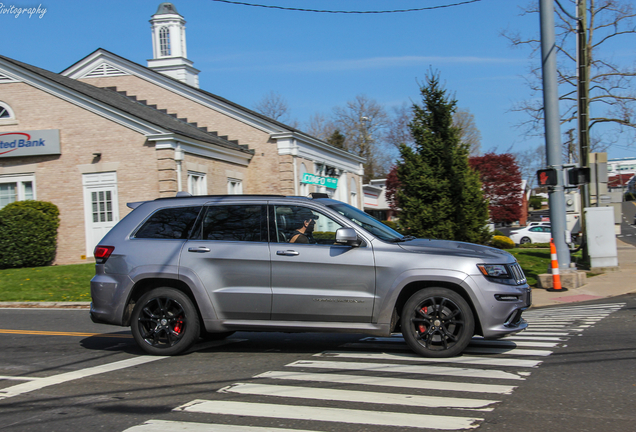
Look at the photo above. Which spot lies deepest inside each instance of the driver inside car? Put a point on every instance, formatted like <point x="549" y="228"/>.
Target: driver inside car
<point x="305" y="220"/>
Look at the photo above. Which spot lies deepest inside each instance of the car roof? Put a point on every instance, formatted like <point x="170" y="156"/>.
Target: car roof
<point x="185" y="198"/>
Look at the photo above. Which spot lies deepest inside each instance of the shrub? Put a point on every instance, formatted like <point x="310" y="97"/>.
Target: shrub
<point x="28" y="234"/>
<point x="502" y="242"/>
<point x="498" y="233"/>
<point x="535" y="202"/>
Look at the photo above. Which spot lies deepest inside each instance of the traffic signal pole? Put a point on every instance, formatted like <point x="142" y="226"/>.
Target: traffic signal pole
<point x="556" y="196"/>
<point x="583" y="106"/>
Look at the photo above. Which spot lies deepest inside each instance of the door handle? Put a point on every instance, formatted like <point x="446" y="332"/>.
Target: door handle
<point x="287" y="253"/>
<point x="200" y="249"/>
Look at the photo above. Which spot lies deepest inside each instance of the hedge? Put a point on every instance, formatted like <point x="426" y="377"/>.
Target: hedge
<point x="28" y="234"/>
<point x="502" y="242"/>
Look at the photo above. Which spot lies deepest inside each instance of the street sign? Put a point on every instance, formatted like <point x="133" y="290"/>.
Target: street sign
<point x="313" y="179"/>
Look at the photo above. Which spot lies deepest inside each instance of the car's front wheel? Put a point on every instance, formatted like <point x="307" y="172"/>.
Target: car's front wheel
<point x="525" y="240"/>
<point x="437" y="322"/>
<point x="165" y="322"/>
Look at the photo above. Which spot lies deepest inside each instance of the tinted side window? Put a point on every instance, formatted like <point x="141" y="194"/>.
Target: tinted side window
<point x="169" y="223"/>
<point x="235" y="223"/>
<point x="289" y="219"/>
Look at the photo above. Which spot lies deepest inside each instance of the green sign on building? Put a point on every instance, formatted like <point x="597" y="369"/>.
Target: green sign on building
<point x="312" y="179"/>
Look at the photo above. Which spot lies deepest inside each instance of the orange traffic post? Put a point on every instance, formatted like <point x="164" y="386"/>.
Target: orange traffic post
<point x="556" y="276"/>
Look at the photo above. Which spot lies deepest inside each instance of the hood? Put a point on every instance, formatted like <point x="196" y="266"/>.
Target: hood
<point x="455" y="248"/>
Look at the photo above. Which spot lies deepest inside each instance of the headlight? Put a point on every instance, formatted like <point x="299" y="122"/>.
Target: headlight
<point x="494" y="270"/>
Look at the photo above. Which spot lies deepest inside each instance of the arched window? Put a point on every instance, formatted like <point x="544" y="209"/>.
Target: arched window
<point x="164" y="41"/>
<point x="5" y="111"/>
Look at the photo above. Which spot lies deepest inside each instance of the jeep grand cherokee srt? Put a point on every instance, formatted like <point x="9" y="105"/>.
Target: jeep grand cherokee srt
<point x="177" y="269"/>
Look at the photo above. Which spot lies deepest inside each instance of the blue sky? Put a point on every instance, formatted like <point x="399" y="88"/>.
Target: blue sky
<point x="316" y="61"/>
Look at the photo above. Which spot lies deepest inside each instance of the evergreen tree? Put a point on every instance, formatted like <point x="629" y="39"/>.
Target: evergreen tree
<point x="440" y="195"/>
<point x="337" y="139"/>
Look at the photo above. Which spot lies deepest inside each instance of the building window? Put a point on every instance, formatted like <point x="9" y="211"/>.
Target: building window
<point x="197" y="184"/>
<point x="5" y="112"/>
<point x="102" y="206"/>
<point x="16" y="188"/>
<point x="234" y="186"/>
<point x="164" y="41"/>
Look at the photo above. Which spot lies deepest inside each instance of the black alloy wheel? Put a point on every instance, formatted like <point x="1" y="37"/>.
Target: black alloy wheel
<point x="525" y="240"/>
<point x="165" y="322"/>
<point x="437" y="322"/>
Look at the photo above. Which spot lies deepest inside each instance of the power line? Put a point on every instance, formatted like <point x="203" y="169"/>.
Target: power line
<point x="346" y="12"/>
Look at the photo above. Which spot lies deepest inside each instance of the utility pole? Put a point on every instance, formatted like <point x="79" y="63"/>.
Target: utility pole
<point x="583" y="108"/>
<point x="556" y="197"/>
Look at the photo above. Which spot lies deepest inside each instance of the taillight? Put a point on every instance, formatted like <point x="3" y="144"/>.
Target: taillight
<point x="102" y="253"/>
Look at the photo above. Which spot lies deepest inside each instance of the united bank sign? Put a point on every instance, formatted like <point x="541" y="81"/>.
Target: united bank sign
<point x="30" y="143"/>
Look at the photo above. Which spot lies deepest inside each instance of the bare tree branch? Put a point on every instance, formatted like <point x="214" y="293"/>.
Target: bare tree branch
<point x="612" y="97"/>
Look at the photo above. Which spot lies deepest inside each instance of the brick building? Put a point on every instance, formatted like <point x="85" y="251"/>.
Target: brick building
<point x="107" y="131"/>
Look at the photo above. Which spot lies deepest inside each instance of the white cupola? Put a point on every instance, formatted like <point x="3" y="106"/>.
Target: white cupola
<point x="169" y="46"/>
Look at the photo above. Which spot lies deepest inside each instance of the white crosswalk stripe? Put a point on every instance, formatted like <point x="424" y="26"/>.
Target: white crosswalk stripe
<point x="388" y="382"/>
<point x="331" y="394"/>
<point x="412" y="357"/>
<point x="370" y="378"/>
<point x="412" y="369"/>
<point x="361" y="417"/>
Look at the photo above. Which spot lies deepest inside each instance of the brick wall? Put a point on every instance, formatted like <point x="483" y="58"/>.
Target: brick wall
<point x="262" y="176"/>
<point x="143" y="173"/>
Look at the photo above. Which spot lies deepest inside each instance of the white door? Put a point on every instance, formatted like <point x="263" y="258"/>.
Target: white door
<point x="100" y="207"/>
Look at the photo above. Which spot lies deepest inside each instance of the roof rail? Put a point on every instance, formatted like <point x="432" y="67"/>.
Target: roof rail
<point x="315" y="195"/>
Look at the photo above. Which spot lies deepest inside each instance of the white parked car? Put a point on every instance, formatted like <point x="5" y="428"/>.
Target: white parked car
<point x="544" y="223"/>
<point x="532" y="234"/>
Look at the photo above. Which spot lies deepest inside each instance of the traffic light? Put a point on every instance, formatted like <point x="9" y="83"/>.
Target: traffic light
<point x="547" y="177"/>
<point x="578" y="176"/>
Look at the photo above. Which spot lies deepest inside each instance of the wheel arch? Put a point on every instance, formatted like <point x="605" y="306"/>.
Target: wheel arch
<point x="143" y="286"/>
<point x="415" y="286"/>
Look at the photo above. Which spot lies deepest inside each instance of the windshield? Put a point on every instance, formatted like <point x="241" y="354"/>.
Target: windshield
<point x="367" y="222"/>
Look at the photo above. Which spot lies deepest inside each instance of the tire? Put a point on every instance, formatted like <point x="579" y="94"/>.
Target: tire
<point x="165" y="322"/>
<point x="525" y="240"/>
<point x="437" y="322"/>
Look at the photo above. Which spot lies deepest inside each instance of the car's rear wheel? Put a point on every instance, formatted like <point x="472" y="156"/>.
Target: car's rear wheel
<point x="165" y="322"/>
<point x="437" y="322"/>
<point x="525" y="240"/>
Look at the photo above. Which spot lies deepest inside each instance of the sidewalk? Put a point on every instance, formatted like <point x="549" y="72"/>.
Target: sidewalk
<point x="610" y="284"/>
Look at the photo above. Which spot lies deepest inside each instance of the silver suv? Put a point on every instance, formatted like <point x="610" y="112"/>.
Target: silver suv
<point x="177" y="269"/>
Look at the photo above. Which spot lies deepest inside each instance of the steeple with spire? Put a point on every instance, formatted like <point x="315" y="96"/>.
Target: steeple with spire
<point x="169" y="46"/>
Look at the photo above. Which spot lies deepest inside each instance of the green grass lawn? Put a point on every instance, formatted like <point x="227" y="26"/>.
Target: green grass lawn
<point x="533" y="262"/>
<point x="52" y="283"/>
<point x="72" y="282"/>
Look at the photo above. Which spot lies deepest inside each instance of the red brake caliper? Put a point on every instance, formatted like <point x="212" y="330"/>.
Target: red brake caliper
<point x="178" y="327"/>
<point x="422" y="327"/>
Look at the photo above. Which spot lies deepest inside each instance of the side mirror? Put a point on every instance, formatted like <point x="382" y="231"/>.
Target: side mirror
<point x="347" y="236"/>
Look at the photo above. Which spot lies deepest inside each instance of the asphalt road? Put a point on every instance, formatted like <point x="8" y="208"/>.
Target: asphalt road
<point x="573" y="370"/>
<point x="628" y="229"/>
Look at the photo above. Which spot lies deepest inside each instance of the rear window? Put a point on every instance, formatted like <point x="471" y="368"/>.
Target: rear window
<point x="169" y="223"/>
